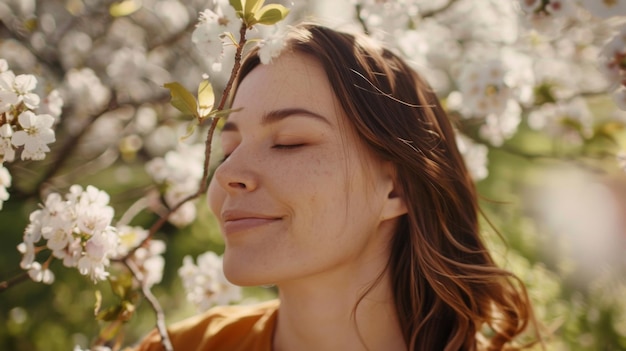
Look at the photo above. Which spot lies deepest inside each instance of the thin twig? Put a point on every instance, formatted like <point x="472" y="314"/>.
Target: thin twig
<point x="439" y="10"/>
<point x="13" y="281"/>
<point x="207" y="153"/>
<point x="360" y="19"/>
<point x="154" y="302"/>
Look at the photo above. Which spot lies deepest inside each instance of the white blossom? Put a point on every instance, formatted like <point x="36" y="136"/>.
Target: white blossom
<point x="147" y="258"/>
<point x="179" y="171"/>
<point x="37" y="133"/>
<point x="475" y="156"/>
<point x="7" y="152"/>
<point x="27" y="249"/>
<point x="612" y="58"/>
<point x="18" y="89"/>
<point x="205" y="282"/>
<point x="98" y="249"/>
<point x="40" y="274"/>
<point x="5" y="182"/>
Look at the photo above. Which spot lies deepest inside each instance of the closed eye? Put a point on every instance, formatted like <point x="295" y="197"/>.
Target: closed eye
<point x="286" y="146"/>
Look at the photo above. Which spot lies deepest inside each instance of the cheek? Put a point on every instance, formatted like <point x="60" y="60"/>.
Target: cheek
<point x="215" y="197"/>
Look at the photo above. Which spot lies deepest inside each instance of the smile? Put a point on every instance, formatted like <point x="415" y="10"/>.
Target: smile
<point x="234" y="223"/>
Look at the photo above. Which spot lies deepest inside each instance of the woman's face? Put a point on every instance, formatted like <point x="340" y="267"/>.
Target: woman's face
<point x="298" y="195"/>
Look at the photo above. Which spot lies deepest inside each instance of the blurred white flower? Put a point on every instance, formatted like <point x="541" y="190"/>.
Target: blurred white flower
<point x="179" y="171"/>
<point x="5" y="182"/>
<point x="487" y="90"/>
<point x="7" y="152"/>
<point x="51" y="105"/>
<point x="584" y="219"/>
<point x="148" y="258"/>
<point x="475" y="156"/>
<point x="37" y="133"/>
<point x="75" y="47"/>
<point x="498" y="128"/>
<point x="272" y="44"/>
<point x="612" y="58"/>
<point x="205" y="282"/>
<point x="483" y="87"/>
<point x="173" y="13"/>
<point x="386" y="18"/>
<point x="185" y="214"/>
<point x="75" y="230"/>
<point x="85" y="90"/>
<point x="605" y="8"/>
<point x="568" y="119"/>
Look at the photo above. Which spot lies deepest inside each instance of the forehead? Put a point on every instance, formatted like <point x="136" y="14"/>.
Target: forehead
<point x="290" y="81"/>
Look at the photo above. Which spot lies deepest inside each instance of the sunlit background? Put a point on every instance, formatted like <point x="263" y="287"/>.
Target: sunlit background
<point x="534" y="88"/>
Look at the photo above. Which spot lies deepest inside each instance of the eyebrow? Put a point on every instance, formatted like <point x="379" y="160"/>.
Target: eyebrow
<point x="279" y="115"/>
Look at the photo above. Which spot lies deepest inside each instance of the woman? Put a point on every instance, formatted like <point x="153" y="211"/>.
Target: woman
<point x="343" y="186"/>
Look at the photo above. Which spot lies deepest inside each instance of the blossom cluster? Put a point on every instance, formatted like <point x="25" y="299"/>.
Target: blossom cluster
<point x="25" y="121"/>
<point x="210" y="33"/>
<point x="77" y="229"/>
<point x="205" y="282"/>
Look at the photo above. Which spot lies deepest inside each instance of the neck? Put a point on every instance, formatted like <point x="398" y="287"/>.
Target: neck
<point x="348" y="310"/>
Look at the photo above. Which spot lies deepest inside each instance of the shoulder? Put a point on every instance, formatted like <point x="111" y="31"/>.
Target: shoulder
<point x="247" y="327"/>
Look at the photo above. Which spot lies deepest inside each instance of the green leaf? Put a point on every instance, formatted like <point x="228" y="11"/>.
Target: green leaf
<point x="121" y="285"/>
<point x="110" y="314"/>
<point x="124" y="8"/>
<point x="236" y="4"/>
<point x="271" y="14"/>
<point x="206" y="97"/>
<point x="252" y="6"/>
<point x="223" y="113"/>
<point x="191" y="128"/>
<point x="182" y="99"/>
<point x="230" y="36"/>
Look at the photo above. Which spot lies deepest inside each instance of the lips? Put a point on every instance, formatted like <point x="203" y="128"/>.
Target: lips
<point x="239" y="221"/>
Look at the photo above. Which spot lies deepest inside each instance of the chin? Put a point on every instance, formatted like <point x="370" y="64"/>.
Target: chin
<point x="244" y="272"/>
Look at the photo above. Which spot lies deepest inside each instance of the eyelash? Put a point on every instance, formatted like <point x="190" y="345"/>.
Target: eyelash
<point x="277" y="146"/>
<point x="286" y="147"/>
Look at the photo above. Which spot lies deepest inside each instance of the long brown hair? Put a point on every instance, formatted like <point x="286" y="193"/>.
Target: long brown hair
<point x="449" y="294"/>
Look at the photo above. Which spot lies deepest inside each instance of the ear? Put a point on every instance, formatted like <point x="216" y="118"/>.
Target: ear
<point x="395" y="205"/>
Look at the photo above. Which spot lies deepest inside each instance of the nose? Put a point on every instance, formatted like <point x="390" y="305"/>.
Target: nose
<point x="236" y="173"/>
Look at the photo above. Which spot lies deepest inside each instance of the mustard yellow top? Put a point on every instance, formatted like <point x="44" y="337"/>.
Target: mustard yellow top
<point x="224" y="328"/>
